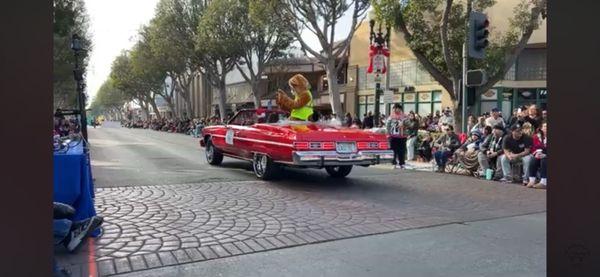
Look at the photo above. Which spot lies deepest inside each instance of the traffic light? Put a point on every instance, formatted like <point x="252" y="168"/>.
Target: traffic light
<point x="476" y="78"/>
<point x="471" y="96"/>
<point x="479" y="33"/>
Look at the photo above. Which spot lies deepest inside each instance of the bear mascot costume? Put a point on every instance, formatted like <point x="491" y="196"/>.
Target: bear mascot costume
<point x="301" y="107"/>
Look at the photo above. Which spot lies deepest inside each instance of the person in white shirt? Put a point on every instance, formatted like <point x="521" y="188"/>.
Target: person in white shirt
<point x="495" y="119"/>
<point x="446" y="120"/>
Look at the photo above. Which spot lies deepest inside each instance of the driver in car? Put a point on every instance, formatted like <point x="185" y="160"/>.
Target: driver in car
<point x="301" y="107"/>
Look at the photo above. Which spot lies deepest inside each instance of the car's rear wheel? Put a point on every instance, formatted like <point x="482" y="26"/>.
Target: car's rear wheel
<point x="213" y="156"/>
<point x="340" y="171"/>
<point x="264" y="167"/>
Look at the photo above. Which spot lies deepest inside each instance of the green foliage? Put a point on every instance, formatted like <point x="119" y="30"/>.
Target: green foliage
<point x="70" y="17"/>
<point x="266" y="38"/>
<point x="148" y="71"/>
<point x="265" y="34"/>
<point x="221" y="32"/>
<point x="108" y="99"/>
<point x="123" y="77"/>
<point x="172" y="33"/>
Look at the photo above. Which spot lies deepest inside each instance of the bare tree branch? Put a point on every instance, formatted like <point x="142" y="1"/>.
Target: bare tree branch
<point x="445" y="46"/>
<point x="428" y="65"/>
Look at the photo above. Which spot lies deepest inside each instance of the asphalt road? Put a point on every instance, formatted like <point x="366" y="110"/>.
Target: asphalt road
<point x="168" y="213"/>
<point x="124" y="157"/>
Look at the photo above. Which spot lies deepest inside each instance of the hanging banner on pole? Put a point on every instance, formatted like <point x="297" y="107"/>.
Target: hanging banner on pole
<point x="388" y="96"/>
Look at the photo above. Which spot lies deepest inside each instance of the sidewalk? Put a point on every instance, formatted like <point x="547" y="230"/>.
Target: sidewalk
<point x="512" y="246"/>
<point x="410" y="165"/>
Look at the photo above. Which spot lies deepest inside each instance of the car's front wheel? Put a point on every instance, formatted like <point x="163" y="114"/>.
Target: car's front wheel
<point x="264" y="167"/>
<point x="338" y="171"/>
<point x="213" y="156"/>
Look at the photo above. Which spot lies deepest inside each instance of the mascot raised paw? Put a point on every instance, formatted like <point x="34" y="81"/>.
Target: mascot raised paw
<point x="301" y="107"/>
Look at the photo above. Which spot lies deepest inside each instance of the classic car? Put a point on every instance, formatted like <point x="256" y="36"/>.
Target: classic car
<point x="268" y="140"/>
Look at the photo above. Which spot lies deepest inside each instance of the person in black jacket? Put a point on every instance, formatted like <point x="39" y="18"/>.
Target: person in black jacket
<point x="446" y="145"/>
<point x="369" y="122"/>
<point x="424" y="149"/>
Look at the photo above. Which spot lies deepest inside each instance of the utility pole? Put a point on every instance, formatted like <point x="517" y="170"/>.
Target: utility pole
<point x="464" y="85"/>
<point x="77" y="48"/>
<point x="378" y="51"/>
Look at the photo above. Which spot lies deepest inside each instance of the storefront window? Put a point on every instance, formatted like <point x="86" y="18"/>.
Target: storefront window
<point x="437" y="96"/>
<point x="437" y="107"/>
<point x="543" y="99"/>
<point x="422" y="103"/>
<point x="526" y="96"/>
<point x="424" y="109"/>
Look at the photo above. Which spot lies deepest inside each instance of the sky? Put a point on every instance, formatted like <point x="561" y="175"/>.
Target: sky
<point x="114" y="25"/>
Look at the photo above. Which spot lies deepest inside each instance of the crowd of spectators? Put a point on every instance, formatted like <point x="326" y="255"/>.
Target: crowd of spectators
<point x="64" y="127"/>
<point x="504" y="148"/>
<point x="191" y="127"/>
<point x="510" y="150"/>
<point x="432" y="122"/>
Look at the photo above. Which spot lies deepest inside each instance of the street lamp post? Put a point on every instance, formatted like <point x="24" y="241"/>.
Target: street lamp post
<point x="378" y="51"/>
<point x="78" y="75"/>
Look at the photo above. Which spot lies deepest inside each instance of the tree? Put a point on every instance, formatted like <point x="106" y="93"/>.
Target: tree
<point x="161" y="60"/>
<point x="148" y="73"/>
<point x="435" y="32"/>
<point x="108" y="100"/>
<point x="70" y="17"/>
<point x="173" y="33"/>
<point x="220" y="39"/>
<point x="127" y="80"/>
<point x="266" y="38"/>
<point x="321" y="19"/>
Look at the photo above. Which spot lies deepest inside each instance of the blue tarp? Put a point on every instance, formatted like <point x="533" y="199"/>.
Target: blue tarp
<point x="73" y="182"/>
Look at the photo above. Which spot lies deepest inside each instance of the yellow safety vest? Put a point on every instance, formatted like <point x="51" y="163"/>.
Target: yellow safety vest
<point x="303" y="112"/>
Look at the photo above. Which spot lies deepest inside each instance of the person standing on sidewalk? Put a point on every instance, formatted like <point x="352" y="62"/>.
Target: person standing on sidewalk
<point x="395" y="128"/>
<point x="412" y="129"/>
<point x="369" y="122"/>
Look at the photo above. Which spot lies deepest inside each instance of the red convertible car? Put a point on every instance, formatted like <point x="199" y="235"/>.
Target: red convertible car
<point x="270" y="141"/>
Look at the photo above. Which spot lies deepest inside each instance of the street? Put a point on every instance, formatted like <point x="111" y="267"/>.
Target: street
<point x="168" y="213"/>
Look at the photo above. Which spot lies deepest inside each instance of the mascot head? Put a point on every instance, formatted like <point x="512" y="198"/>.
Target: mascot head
<point x="299" y="83"/>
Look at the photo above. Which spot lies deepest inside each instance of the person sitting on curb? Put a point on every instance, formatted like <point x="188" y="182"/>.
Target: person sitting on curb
<point x="490" y="150"/>
<point x="467" y="153"/>
<point x="424" y="149"/>
<point x="540" y="161"/>
<point x="446" y="145"/>
<point x="517" y="148"/>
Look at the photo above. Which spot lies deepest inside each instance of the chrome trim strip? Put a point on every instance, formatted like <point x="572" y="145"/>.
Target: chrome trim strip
<point x="258" y="141"/>
<point x="236" y="157"/>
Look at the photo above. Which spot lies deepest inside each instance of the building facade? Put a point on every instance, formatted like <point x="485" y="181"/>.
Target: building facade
<point x="417" y="91"/>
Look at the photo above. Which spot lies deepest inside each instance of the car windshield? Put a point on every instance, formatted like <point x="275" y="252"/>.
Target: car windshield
<point x="250" y="117"/>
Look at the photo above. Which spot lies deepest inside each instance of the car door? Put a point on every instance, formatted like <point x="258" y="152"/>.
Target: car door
<point x="235" y="144"/>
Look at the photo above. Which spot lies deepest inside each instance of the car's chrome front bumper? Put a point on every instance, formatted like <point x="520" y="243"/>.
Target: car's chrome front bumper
<point x="332" y="158"/>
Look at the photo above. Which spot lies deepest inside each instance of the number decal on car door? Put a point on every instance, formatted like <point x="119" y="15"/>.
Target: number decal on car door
<point x="229" y="137"/>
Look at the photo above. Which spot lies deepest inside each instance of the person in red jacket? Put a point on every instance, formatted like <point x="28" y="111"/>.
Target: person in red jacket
<point x="528" y="129"/>
<point x="539" y="163"/>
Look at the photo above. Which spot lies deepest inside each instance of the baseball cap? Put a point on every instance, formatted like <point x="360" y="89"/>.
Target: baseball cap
<point x="516" y="127"/>
<point x="495" y="110"/>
